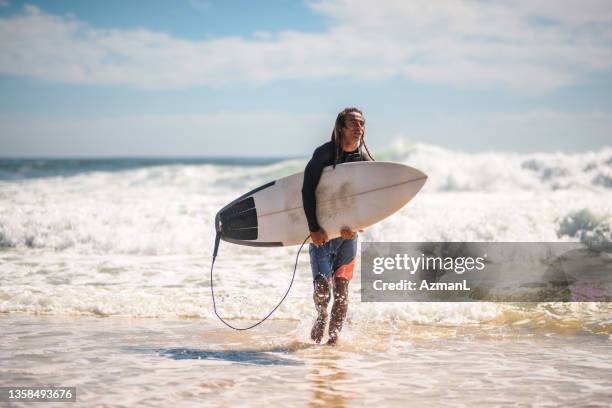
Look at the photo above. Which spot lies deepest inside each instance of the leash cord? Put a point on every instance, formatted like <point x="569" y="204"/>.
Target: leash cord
<point x="212" y="290"/>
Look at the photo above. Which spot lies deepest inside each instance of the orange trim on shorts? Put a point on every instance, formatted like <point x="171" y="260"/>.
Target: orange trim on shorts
<point x="346" y="271"/>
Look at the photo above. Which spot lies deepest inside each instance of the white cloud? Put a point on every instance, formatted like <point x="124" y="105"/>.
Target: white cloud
<point x="519" y="45"/>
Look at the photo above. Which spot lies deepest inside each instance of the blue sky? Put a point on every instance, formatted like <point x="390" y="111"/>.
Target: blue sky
<point x="244" y="78"/>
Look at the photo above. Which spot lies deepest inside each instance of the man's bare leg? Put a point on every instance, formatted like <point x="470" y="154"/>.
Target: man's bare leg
<point x="321" y="298"/>
<point x="339" y="309"/>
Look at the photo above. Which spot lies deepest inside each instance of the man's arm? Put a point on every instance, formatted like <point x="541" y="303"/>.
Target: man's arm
<point x="312" y="176"/>
<point x="322" y="156"/>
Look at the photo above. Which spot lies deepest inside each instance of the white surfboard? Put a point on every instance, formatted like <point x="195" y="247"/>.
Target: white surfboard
<point x="354" y="195"/>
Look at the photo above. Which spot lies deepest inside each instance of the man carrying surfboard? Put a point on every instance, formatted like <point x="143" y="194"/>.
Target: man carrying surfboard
<point x="332" y="261"/>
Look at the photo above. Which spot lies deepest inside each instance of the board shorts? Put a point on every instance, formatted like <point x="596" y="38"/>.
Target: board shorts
<point x="334" y="258"/>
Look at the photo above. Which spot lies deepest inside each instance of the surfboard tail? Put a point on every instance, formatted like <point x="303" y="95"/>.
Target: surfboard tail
<point x="238" y="220"/>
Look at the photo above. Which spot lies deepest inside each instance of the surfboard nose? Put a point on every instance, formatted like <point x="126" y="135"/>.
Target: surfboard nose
<point x="421" y="177"/>
<point x="411" y="175"/>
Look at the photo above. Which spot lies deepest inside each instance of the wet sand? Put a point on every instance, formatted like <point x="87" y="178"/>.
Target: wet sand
<point x="118" y="361"/>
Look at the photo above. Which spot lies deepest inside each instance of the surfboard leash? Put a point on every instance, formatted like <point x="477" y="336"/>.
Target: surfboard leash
<point x="212" y="289"/>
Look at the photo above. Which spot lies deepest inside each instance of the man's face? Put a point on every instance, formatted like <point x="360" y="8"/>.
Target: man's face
<point x="354" y="126"/>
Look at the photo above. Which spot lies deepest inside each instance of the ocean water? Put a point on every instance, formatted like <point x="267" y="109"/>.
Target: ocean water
<point x="124" y="247"/>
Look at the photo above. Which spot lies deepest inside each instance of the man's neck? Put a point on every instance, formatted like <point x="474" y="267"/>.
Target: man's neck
<point x="350" y="148"/>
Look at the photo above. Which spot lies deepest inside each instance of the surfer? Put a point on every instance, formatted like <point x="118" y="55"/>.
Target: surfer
<point x="332" y="261"/>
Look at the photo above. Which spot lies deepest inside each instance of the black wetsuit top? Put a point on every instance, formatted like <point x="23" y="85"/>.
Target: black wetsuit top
<point x="322" y="157"/>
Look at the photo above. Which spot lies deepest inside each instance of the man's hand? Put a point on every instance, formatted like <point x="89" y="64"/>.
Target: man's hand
<point x="347" y="233"/>
<point x="319" y="237"/>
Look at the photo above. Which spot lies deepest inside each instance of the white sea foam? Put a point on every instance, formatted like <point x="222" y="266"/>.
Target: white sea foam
<point x="138" y="242"/>
<point x="502" y="172"/>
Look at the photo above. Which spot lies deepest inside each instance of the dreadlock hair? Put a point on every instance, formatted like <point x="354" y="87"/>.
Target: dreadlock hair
<point x="336" y="135"/>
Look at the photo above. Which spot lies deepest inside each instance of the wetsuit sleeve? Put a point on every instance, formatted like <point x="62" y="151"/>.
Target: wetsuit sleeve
<point x="312" y="175"/>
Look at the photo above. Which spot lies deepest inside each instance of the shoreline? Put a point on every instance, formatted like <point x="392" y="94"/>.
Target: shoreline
<point x="118" y="361"/>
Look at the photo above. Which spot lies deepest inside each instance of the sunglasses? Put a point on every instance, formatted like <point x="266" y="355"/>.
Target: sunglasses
<point x="353" y="123"/>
